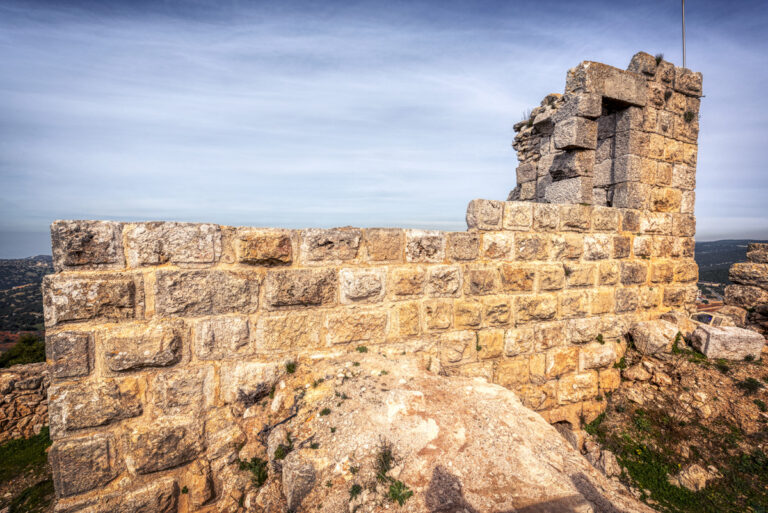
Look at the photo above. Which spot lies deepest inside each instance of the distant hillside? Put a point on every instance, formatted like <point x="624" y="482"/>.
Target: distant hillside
<point x="21" y="302"/>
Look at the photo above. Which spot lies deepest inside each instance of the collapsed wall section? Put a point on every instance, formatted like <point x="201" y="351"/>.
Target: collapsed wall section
<point x="161" y="335"/>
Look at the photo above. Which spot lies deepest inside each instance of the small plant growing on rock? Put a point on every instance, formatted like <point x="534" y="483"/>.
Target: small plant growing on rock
<point x="384" y="461"/>
<point x="361" y="349"/>
<point x="722" y="366"/>
<point x="399" y="492"/>
<point x="760" y="405"/>
<point x="621" y="364"/>
<point x="749" y="385"/>
<point x="283" y="450"/>
<point x="689" y="116"/>
<point x="333" y="430"/>
<point x="659" y="57"/>
<point x="329" y="484"/>
<point x="667" y="95"/>
<point x="325" y="411"/>
<point x="354" y="470"/>
<point x="290" y="367"/>
<point x="355" y="490"/>
<point x="185" y="490"/>
<point x="600" y="339"/>
<point x="314" y="446"/>
<point x="258" y="468"/>
<point x="749" y="358"/>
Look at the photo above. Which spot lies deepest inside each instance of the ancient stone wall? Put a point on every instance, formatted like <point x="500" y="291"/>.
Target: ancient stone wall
<point x="162" y="336"/>
<point x="23" y="400"/>
<point x="747" y="298"/>
<point x="618" y="138"/>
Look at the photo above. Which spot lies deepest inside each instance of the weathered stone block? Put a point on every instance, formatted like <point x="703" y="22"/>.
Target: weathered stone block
<point x="80" y="465"/>
<point x="526" y="172"/>
<point x="541" y="307"/>
<point x="484" y="214"/>
<point x="549" y="334"/>
<point x="687" y="272"/>
<point x="583" y="330"/>
<point x="438" y="314"/>
<point x="463" y="245"/>
<point x="87" y="245"/>
<point x="408" y="281"/>
<point x="221" y="337"/>
<point x="661" y="272"/>
<point x="626" y="300"/>
<point x="356" y="326"/>
<point x="482" y="281"/>
<point x="745" y="296"/>
<point x="633" y="273"/>
<point x="157" y="243"/>
<point x="575" y="133"/>
<point x="580" y="275"/>
<point x="598" y="246"/>
<point x="518" y="216"/>
<point x="491" y="343"/>
<point x="605" y="219"/>
<point x="687" y="81"/>
<point x="583" y="105"/>
<point x="730" y="343"/>
<point x="531" y="246"/>
<point x="161" y="447"/>
<point x="128" y="347"/>
<point x="496" y="311"/>
<point x="651" y="337"/>
<point x="609" y="379"/>
<point x="288" y="332"/>
<point x="621" y="246"/>
<point x="551" y="277"/>
<point x="602" y="301"/>
<point x="457" y="347"/>
<point x="608" y="273"/>
<point x="467" y="314"/>
<point x="749" y="273"/>
<point x="678" y="296"/>
<point x="572" y="164"/>
<point x="574" y="304"/>
<point x="80" y="406"/>
<point x="424" y="246"/>
<point x="362" y="285"/>
<point x="264" y="247"/>
<point x="561" y="360"/>
<point x="512" y="372"/>
<point x="384" y="245"/>
<point x="321" y="246"/>
<point x="100" y="297"/>
<point x="184" y="391"/>
<point x="247" y="382"/>
<point x="607" y="81"/>
<point x="576" y="218"/>
<point x="632" y="195"/>
<point x="757" y="253"/>
<point x="444" y="281"/>
<point x="577" y="387"/>
<point x="518" y="341"/>
<point x="545" y="217"/>
<point x="70" y="353"/>
<point x="301" y="287"/>
<point x="498" y="245"/>
<point x="407" y="319"/>
<point x="193" y="293"/>
<point x="569" y="190"/>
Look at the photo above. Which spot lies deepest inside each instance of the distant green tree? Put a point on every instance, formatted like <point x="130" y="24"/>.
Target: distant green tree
<point x="30" y="348"/>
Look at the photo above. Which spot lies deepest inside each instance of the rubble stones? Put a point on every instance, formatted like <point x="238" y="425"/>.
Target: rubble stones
<point x="651" y="337"/>
<point x="729" y="343"/>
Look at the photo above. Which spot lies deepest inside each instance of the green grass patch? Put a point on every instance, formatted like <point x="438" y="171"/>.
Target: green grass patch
<point x="35" y="499"/>
<point x="24" y="454"/>
<point x="399" y="492"/>
<point x="30" y="348"/>
<point x="258" y="467"/>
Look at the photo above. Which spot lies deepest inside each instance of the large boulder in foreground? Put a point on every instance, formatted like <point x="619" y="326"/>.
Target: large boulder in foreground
<point x="371" y="431"/>
<point x="651" y="337"/>
<point x="729" y="343"/>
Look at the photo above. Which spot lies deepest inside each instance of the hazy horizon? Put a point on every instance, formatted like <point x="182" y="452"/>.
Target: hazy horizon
<point x="356" y="113"/>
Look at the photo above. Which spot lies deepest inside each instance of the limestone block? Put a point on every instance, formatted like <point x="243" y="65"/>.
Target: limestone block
<point x="607" y="81"/>
<point x="512" y="372"/>
<point x="518" y="341"/>
<point x="264" y="247"/>
<point x="193" y="293"/>
<point x="602" y="302"/>
<point x="571" y="164"/>
<point x="686" y="272"/>
<point x="580" y="275"/>
<point x="356" y="326"/>
<point x="247" y="382"/>
<point x="482" y="281"/>
<point x="577" y="387"/>
<point x="730" y="343"/>
<point x="457" y="346"/>
<point x="757" y="252"/>
<point x="605" y="219"/>
<point x="69" y="353"/>
<point x="549" y="334"/>
<point x="575" y="218"/>
<point x="657" y="223"/>
<point x="184" y="391"/>
<point x="491" y="343"/>
<point x="82" y="464"/>
<point x="128" y="347"/>
<point x="665" y="199"/>
<point x="407" y="319"/>
<point x="745" y="296"/>
<point x="688" y="82"/>
<point x="597" y="355"/>
<point x="87" y="245"/>
<point x="584" y="330"/>
<point x="301" y="287"/>
<point x="498" y="245"/>
<point x="95" y="297"/>
<point x="288" y="332"/>
<point x="643" y="63"/>
<point x="467" y="314"/>
<point x="463" y="245"/>
<point x="661" y="272"/>
<point x="545" y="217"/>
<point x="576" y="133"/>
<point x="335" y="245"/>
<point x="159" y="496"/>
<point x="621" y="246"/>
<point x="384" y="245"/>
<point x="540" y="307"/>
<point x="627" y="300"/>
<point x="683" y="177"/>
<point x="677" y="296"/>
<point x="630" y="221"/>
<point x="574" y="304"/>
<point x="79" y="406"/>
<point x="551" y="277"/>
<point x="526" y="172"/>
<point x="633" y="273"/>
<point x="608" y="273"/>
<point x="597" y="246"/>
<point x="635" y="142"/>
<point x="425" y="245"/>
<point x="561" y="360"/>
<point x="298" y="479"/>
<point x="162" y="446"/>
<point x="577" y="104"/>
<point x="749" y="273"/>
<point x="438" y="314"/>
<point x="566" y="246"/>
<point x="408" y="281"/>
<point x="531" y="246"/>
<point x="444" y="281"/>
<point x="497" y="311"/>
<point x="517" y="277"/>
<point x="651" y="337"/>
<point x="485" y="214"/>
<point x="157" y="243"/>
<point x="221" y="337"/>
<point x="362" y="285"/>
<point x="609" y="379"/>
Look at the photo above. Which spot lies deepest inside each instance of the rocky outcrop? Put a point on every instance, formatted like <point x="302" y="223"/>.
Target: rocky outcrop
<point x="24" y="409"/>
<point x="748" y="296"/>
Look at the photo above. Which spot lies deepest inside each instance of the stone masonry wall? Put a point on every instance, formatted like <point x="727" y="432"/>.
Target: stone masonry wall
<point x="159" y="333"/>
<point x="161" y="336"/>
<point x="747" y="298"/>
<point x="23" y="400"/>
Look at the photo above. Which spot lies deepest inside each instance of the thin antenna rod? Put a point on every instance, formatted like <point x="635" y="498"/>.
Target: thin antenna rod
<point x="684" y="33"/>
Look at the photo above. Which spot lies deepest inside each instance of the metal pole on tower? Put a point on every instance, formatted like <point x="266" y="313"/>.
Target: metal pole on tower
<point x="684" y="33"/>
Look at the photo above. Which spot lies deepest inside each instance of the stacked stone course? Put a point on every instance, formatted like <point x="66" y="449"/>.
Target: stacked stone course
<point x="23" y="400"/>
<point x="747" y="298"/>
<point x="161" y="336"/>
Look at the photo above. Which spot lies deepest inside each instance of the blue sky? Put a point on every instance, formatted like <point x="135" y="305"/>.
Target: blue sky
<point x="336" y="113"/>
